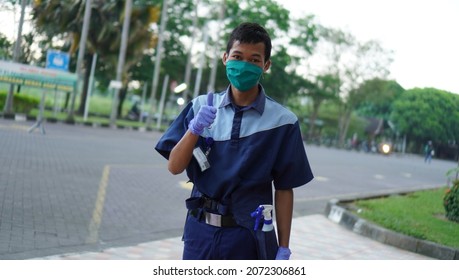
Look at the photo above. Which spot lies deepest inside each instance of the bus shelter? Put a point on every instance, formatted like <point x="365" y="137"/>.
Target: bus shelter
<point x="38" y="77"/>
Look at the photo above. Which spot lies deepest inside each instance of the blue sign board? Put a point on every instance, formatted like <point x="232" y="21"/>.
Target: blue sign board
<point x="57" y="60"/>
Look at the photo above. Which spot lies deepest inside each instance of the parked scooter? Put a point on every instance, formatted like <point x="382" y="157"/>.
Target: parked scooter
<point x="134" y="112"/>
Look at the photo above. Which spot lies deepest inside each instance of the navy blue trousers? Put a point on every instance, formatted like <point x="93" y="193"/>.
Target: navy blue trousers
<point x="206" y="242"/>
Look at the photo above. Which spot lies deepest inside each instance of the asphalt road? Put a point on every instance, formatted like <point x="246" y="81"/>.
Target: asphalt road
<point x="82" y="188"/>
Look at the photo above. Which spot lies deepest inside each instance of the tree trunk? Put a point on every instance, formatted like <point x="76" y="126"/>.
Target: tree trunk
<point x="122" y="97"/>
<point x="84" y="93"/>
<point x="312" y="120"/>
<point x="67" y="99"/>
<point x="345" y="120"/>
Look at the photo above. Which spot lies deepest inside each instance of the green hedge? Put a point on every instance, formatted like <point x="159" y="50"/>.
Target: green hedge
<point x="451" y="202"/>
<point x="22" y="104"/>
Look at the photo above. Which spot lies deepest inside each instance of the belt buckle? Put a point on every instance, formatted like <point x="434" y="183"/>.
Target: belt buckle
<point x="213" y="219"/>
<point x="210" y="204"/>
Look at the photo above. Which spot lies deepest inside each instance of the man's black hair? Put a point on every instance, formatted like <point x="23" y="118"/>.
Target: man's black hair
<point x="250" y="33"/>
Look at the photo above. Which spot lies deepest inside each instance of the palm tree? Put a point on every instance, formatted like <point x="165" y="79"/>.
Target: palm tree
<point x="64" y="19"/>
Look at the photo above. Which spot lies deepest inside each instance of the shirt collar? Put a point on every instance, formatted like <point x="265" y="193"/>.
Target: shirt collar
<point x="258" y="105"/>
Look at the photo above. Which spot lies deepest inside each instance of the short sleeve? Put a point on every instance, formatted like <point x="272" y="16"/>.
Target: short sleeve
<point x="175" y="132"/>
<point x="292" y="168"/>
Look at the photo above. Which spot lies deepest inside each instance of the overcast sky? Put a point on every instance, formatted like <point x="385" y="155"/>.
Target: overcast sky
<point x="423" y="34"/>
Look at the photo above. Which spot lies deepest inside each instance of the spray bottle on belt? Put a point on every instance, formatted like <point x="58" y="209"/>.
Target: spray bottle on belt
<point x="264" y="212"/>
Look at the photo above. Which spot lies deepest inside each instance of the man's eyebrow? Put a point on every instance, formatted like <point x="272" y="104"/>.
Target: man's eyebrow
<point x="253" y="55"/>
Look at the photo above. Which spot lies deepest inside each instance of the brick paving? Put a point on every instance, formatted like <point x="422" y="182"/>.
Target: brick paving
<point x="314" y="237"/>
<point x="96" y="193"/>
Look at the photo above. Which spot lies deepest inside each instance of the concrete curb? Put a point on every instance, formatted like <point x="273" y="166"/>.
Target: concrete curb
<point x="336" y="212"/>
<point x="22" y="117"/>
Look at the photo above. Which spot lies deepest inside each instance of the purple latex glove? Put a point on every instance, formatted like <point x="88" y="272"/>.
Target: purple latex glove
<point x="205" y="116"/>
<point x="283" y="253"/>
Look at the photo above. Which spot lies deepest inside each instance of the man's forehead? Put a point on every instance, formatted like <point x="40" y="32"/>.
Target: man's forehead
<point x="248" y="48"/>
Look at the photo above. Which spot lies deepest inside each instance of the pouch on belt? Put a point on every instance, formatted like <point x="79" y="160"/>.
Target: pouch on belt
<point x="266" y="244"/>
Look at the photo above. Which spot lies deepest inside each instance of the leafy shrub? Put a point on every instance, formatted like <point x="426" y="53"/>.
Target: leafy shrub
<point x="451" y="202"/>
<point x="21" y="103"/>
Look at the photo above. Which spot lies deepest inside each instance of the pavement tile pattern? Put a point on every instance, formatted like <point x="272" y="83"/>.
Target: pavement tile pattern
<point x="313" y="237"/>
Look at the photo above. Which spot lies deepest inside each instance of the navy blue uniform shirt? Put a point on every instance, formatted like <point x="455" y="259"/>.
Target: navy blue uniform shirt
<point x="254" y="148"/>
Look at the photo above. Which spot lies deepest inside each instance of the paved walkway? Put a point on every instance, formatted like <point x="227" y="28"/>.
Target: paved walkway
<point x="40" y="218"/>
<point x="314" y="237"/>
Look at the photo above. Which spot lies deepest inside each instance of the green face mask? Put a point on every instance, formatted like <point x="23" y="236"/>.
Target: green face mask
<point x="243" y="75"/>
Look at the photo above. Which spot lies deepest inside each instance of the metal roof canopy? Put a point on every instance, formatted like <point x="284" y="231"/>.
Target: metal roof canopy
<point x="38" y="77"/>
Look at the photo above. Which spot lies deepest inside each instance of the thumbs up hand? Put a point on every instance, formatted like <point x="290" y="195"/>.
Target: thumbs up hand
<point x="205" y="116"/>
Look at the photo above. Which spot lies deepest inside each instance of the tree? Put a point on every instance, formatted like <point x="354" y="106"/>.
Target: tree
<point x="8" y="108"/>
<point x="427" y="114"/>
<point x="106" y="42"/>
<point x="275" y="19"/>
<point x="332" y="46"/>
<point x="278" y="81"/>
<point x="367" y="61"/>
<point x="373" y="100"/>
<point x="285" y="82"/>
<point x="306" y="36"/>
<point x="28" y="53"/>
<point x="6" y="52"/>
<point x="341" y="55"/>
<point x="325" y="88"/>
<point x="173" y="52"/>
<point x="64" y="20"/>
<point x="281" y="81"/>
<point x="179" y="29"/>
<point x="380" y="95"/>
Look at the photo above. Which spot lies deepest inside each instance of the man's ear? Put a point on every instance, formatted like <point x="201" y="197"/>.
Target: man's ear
<point x="267" y="65"/>
<point x="224" y="58"/>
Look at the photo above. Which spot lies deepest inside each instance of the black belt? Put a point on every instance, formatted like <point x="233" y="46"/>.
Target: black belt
<point x="207" y="203"/>
<point x="212" y="219"/>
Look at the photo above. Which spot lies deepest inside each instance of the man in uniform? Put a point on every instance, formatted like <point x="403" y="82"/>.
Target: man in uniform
<point x="235" y="145"/>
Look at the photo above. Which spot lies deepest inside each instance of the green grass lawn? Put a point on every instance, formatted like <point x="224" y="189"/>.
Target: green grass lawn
<point x="419" y="214"/>
<point x="99" y="110"/>
<point x="103" y="121"/>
